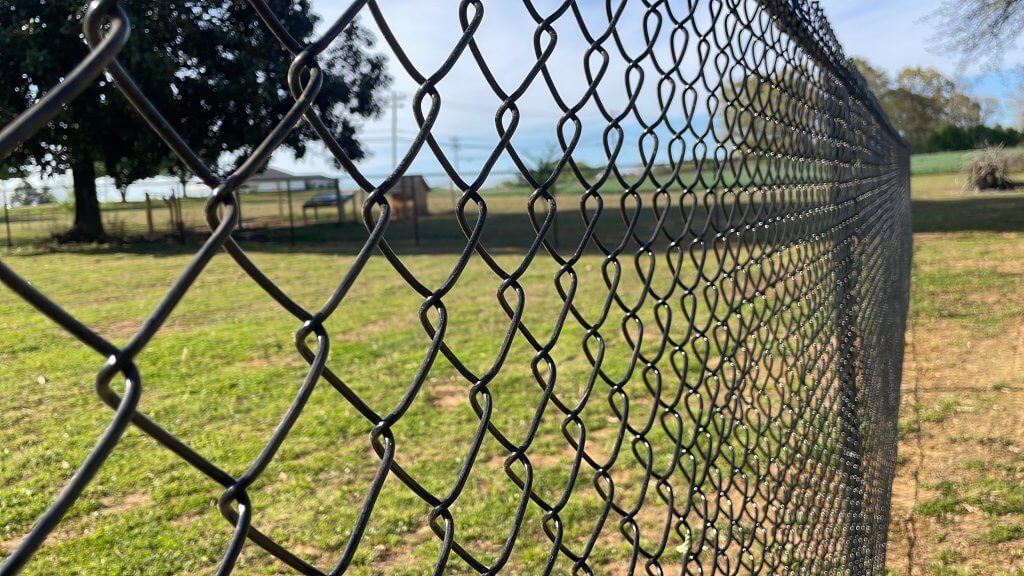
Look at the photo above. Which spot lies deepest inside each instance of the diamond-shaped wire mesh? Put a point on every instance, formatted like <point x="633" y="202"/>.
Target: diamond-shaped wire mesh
<point x="737" y="297"/>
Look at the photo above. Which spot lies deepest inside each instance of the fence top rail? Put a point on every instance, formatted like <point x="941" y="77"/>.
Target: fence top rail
<point x="806" y="22"/>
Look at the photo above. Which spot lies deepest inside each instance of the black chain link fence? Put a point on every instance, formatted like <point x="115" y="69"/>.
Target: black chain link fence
<point x="756" y="265"/>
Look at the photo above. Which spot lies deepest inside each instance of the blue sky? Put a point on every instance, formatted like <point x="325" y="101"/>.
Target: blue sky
<point x="890" y="33"/>
<point x="895" y="33"/>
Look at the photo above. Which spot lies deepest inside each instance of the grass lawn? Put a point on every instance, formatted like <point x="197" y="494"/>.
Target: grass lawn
<point x="945" y="162"/>
<point x="222" y="373"/>
<point x="938" y="162"/>
<point x="225" y="368"/>
<point x="958" y="506"/>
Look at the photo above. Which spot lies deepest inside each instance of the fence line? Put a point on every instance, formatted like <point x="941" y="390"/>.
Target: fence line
<point x="737" y="331"/>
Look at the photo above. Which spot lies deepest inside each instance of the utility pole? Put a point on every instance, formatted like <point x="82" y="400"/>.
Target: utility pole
<point x="7" y="220"/>
<point x="451" y="184"/>
<point x="396" y="100"/>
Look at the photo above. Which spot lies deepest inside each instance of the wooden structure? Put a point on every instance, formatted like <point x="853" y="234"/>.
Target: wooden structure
<point x="274" y="180"/>
<point x="326" y="200"/>
<point x="410" y="197"/>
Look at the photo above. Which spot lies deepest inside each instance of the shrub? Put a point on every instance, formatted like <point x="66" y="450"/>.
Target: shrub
<point x="989" y="169"/>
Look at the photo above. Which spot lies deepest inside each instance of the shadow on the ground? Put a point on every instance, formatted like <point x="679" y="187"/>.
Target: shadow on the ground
<point x="513" y="233"/>
<point x="503" y="233"/>
<point x="990" y="212"/>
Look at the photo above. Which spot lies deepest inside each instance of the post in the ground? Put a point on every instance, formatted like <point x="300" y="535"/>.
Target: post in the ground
<point x="280" y="201"/>
<point x="149" y="213"/>
<point x="415" y="214"/>
<point x="337" y="198"/>
<point x="291" y="217"/>
<point x="7" y="221"/>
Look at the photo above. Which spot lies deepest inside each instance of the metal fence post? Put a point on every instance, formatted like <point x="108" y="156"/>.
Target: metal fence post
<point x="337" y="198"/>
<point x="415" y="214"/>
<point x="149" y="214"/>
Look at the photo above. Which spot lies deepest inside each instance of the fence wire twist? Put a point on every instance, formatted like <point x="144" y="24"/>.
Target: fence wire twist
<point x="756" y="407"/>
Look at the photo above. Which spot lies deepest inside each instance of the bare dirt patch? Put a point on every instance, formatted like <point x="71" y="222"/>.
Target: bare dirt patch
<point x="960" y="471"/>
<point x="446" y="395"/>
<point x="118" y="505"/>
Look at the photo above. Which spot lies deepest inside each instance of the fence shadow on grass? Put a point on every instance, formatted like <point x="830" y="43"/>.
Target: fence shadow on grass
<point x="991" y="212"/>
<point x="503" y="233"/>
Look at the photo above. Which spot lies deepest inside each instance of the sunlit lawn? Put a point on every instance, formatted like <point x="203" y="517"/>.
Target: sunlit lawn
<point x="959" y="494"/>
<point x="224" y="369"/>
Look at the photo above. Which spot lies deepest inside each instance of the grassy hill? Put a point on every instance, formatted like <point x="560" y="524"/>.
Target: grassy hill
<point x="946" y="162"/>
<point x="937" y="162"/>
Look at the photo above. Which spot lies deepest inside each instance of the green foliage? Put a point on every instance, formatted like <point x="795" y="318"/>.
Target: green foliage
<point x="28" y="195"/>
<point x="922" y="101"/>
<point x="933" y="112"/>
<point x="950" y="137"/>
<point x="999" y="533"/>
<point x="753" y="113"/>
<point x="211" y="68"/>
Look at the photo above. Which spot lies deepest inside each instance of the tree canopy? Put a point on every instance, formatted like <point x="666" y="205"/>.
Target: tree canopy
<point x="932" y="111"/>
<point x="210" y="66"/>
<point x="978" y="30"/>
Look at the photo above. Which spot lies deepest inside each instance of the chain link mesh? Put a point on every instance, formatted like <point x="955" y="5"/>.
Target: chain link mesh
<point x="753" y="274"/>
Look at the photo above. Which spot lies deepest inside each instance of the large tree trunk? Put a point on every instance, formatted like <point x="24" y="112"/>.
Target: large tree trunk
<point x="88" y="225"/>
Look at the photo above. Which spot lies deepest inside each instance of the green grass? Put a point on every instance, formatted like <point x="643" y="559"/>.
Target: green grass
<point x="995" y="496"/>
<point x="940" y="413"/>
<point x="944" y="162"/>
<point x="938" y="162"/>
<point x="224" y="369"/>
<point x="960" y="384"/>
<point x="999" y="533"/>
<point x="221" y="375"/>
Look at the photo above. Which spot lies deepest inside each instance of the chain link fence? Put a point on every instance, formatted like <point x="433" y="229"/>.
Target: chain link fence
<point x="738" y="299"/>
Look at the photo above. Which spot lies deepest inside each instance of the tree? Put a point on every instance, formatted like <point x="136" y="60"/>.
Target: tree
<point x="956" y="107"/>
<point x="126" y="161"/>
<point x="210" y="66"/>
<point x="749" y="115"/>
<point x="951" y="138"/>
<point x="756" y="113"/>
<point x="543" y="168"/>
<point x="921" y="101"/>
<point x="978" y="30"/>
<point x="878" y="80"/>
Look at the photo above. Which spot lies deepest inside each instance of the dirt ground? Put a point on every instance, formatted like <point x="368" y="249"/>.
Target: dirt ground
<point x="958" y="500"/>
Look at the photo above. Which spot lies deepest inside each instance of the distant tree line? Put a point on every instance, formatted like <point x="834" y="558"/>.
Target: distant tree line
<point x="933" y="112"/>
<point x="952" y="138"/>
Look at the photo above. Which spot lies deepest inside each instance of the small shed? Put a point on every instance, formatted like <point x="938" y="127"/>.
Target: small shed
<point x="274" y="180"/>
<point x="410" y="196"/>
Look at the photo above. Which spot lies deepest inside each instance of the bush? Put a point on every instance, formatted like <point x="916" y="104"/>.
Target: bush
<point x="989" y="169"/>
<point x="951" y="138"/>
<point x="28" y="195"/>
